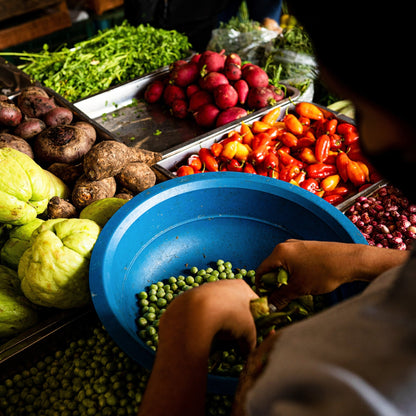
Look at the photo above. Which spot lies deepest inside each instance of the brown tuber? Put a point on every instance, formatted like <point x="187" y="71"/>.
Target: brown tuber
<point x="136" y="177"/>
<point x="10" y="140"/>
<point x="85" y="191"/>
<point x="66" y="172"/>
<point x="29" y="128"/>
<point x="60" y="208"/>
<point x="109" y="157"/>
<point x="10" y="114"/>
<point x="35" y="102"/>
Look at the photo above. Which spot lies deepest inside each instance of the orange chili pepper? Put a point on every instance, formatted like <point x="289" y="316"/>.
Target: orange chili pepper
<point x="229" y="150"/>
<point x="309" y="110"/>
<point x="342" y="162"/>
<point x="216" y="149"/>
<point x="330" y="182"/>
<point x="322" y="145"/>
<point x="288" y="139"/>
<point x="355" y="173"/>
<point x="259" y="127"/>
<point x="185" y="170"/>
<point x="308" y="155"/>
<point x="293" y="124"/>
<point x="246" y="133"/>
<point x="272" y="116"/>
<point x="243" y="150"/>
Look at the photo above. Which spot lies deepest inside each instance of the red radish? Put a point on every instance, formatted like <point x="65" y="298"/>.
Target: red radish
<point x="192" y="89"/>
<point x="184" y="75"/>
<point x="260" y="97"/>
<point x="229" y="115"/>
<point x="177" y="64"/>
<point x="212" y="80"/>
<point x="232" y="71"/>
<point x="255" y="76"/>
<point x="211" y="61"/>
<point x="200" y="98"/>
<point x="225" y="96"/>
<point x="206" y="115"/>
<point x="246" y="65"/>
<point x="173" y="92"/>
<point x="179" y="108"/>
<point x="196" y="58"/>
<point x="242" y="88"/>
<point x="234" y="59"/>
<point x="154" y="91"/>
<point x="278" y="94"/>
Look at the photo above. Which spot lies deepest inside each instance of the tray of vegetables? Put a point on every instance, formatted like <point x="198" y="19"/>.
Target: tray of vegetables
<point x="303" y="143"/>
<point x="187" y="99"/>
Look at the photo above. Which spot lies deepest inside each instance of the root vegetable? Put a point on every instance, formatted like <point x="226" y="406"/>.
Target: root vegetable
<point x="10" y="140"/>
<point x="10" y="114"/>
<point x="242" y="89"/>
<point x="85" y="191"/>
<point x="212" y="80"/>
<point x="136" y="177"/>
<point x="255" y="76"/>
<point x="229" y="115"/>
<point x="192" y="89"/>
<point x="58" y="116"/>
<point x="60" y="208"/>
<point x="200" y="98"/>
<point x="233" y="58"/>
<point x="260" y="97"/>
<point x="206" y="115"/>
<point x="179" y="108"/>
<point x="211" y="61"/>
<point x="35" y="102"/>
<point x="232" y="71"/>
<point x="107" y="158"/>
<point x="29" y="128"/>
<point x="185" y="74"/>
<point x="172" y="93"/>
<point x="66" y="144"/>
<point x="66" y="172"/>
<point x="225" y="96"/>
<point x="154" y="91"/>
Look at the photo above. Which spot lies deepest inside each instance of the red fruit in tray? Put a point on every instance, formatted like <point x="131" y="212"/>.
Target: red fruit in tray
<point x="255" y="76"/>
<point x="261" y="97"/>
<point x="200" y="98"/>
<point x="242" y="89"/>
<point x="154" y="91"/>
<point x="229" y="115"/>
<point x="173" y="92"/>
<point x="184" y="75"/>
<point x="211" y="61"/>
<point x="225" y="96"/>
<point x="206" y="115"/>
<point x="234" y="59"/>
<point x="232" y="71"/>
<point x="191" y="89"/>
<point x="212" y="80"/>
<point x="179" y="108"/>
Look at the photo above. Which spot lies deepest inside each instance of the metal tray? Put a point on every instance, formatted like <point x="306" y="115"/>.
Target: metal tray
<point x="12" y="79"/>
<point x="123" y="111"/>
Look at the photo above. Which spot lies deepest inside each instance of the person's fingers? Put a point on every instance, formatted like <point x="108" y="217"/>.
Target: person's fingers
<point x="281" y="296"/>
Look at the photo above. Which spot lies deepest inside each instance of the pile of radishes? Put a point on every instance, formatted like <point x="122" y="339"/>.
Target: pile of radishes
<point x="214" y="89"/>
<point x="386" y="218"/>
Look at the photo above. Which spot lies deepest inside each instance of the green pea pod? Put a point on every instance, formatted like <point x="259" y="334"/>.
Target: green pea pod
<point x="272" y="280"/>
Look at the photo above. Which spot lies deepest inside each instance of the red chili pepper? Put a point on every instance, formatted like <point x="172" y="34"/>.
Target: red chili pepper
<point x="235" y="166"/>
<point x="307" y="155"/>
<point x="322" y="146"/>
<point x="342" y="162"/>
<point x="259" y="127"/>
<point x="305" y="141"/>
<point x="339" y="190"/>
<point x="305" y="121"/>
<point x="334" y="199"/>
<point x="288" y="172"/>
<point x="288" y="139"/>
<point x="216" y="149"/>
<point x="310" y="185"/>
<point x="274" y="132"/>
<point x="309" y="110"/>
<point x="246" y="133"/>
<point x="300" y="177"/>
<point x="271" y="161"/>
<point x="365" y="169"/>
<point x="348" y="132"/>
<point x="261" y="149"/>
<point x="249" y="168"/>
<point x="208" y="160"/>
<point x="336" y="141"/>
<point x="195" y="162"/>
<point x="293" y="124"/>
<point x="287" y="159"/>
<point x="320" y="170"/>
<point x="185" y="170"/>
<point x="331" y="126"/>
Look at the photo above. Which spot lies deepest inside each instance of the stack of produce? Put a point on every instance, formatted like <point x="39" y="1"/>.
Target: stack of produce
<point x="386" y="218"/>
<point x="58" y="187"/>
<point x="214" y="89"/>
<point x="309" y="148"/>
<point x="107" y="59"/>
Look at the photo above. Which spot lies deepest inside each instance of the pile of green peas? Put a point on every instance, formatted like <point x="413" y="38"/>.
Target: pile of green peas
<point x="152" y="303"/>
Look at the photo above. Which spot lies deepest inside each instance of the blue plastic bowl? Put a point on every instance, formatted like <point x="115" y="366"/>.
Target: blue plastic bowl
<point x="192" y="221"/>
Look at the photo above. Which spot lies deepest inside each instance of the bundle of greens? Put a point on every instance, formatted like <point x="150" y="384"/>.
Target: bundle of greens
<point x="113" y="56"/>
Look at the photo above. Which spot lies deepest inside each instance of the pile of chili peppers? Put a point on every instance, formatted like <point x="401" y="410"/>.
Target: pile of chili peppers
<point x="308" y="147"/>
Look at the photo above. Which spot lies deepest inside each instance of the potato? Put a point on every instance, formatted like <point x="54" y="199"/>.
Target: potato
<point x="136" y="177"/>
<point x="10" y="140"/>
<point x="29" y="128"/>
<point x="35" y="102"/>
<point x="85" y="191"/>
<point x="60" y="208"/>
<point x="10" y="114"/>
<point x="108" y="158"/>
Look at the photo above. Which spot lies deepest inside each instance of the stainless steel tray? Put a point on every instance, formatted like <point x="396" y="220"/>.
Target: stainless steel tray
<point x="123" y="111"/>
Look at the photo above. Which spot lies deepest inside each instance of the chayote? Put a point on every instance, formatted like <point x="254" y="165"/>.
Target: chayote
<point x="18" y="243"/>
<point x="102" y="210"/>
<point x="25" y="187"/>
<point x="16" y="312"/>
<point x="54" y="270"/>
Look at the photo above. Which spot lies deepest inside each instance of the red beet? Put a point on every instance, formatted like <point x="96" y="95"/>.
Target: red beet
<point x="260" y="97"/>
<point x="255" y="76"/>
<point x="196" y="58"/>
<point x="184" y="75"/>
<point x="242" y="88"/>
<point x="211" y="61"/>
<point x="173" y="92"/>
<point x="233" y="58"/>
<point x="225" y="96"/>
<point x="179" y="108"/>
<point x="154" y="91"/>
<point x="210" y="81"/>
<point x="191" y="89"/>
<point x="229" y="115"/>
<point x="177" y="64"/>
<point x="206" y="115"/>
<point x="200" y="98"/>
<point x="232" y="71"/>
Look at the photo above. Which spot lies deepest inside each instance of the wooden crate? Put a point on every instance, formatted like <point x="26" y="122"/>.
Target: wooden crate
<point x="26" y="27"/>
<point x="9" y="9"/>
<point x="101" y="6"/>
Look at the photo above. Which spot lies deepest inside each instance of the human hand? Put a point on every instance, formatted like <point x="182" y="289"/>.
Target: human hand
<point x="317" y="267"/>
